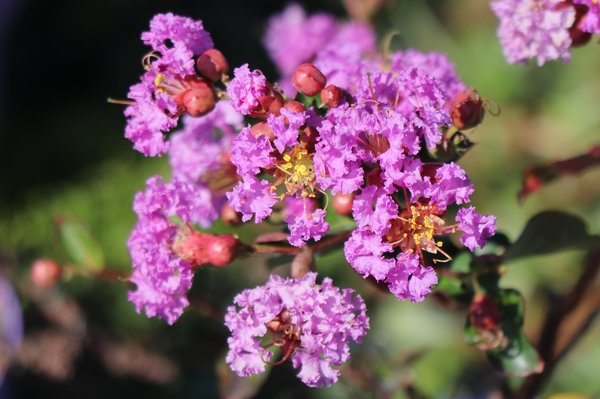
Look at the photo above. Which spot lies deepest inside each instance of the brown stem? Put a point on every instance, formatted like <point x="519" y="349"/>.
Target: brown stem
<point x="326" y="243"/>
<point x="556" y="315"/>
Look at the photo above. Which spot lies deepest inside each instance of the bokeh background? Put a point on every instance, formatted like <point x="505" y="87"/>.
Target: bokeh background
<point x="62" y="152"/>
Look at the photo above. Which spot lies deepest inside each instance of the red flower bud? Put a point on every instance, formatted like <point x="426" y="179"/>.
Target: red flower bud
<point x="199" y="100"/>
<point x="332" y="96"/>
<point x="308" y="138"/>
<point x="223" y="249"/>
<point x="467" y="110"/>
<point x="45" y="272"/>
<point x="295" y="106"/>
<point x="212" y="64"/>
<point x="342" y="204"/>
<point x="307" y="79"/>
<point x="579" y="37"/>
<point x="229" y="216"/>
<point x="262" y="129"/>
<point x="484" y="313"/>
<point x="190" y="246"/>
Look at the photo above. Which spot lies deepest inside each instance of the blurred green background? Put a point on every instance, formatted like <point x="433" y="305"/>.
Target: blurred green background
<point x="62" y="152"/>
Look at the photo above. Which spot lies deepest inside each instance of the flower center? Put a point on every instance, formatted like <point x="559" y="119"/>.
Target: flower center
<point x="284" y="334"/>
<point x="299" y="169"/>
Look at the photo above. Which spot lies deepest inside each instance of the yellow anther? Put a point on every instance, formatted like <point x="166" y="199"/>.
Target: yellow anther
<point x="159" y="79"/>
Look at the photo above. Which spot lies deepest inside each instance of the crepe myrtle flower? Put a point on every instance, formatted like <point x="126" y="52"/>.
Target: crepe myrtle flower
<point x="276" y="162"/>
<point x="393" y="244"/>
<point x="169" y="87"/>
<point x="590" y="18"/>
<point x="311" y="324"/>
<point x="534" y="29"/>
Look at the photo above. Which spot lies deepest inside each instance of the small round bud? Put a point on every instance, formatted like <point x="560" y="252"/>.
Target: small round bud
<point x="484" y="313"/>
<point x="270" y="104"/>
<point x="223" y="249"/>
<point x="307" y="79"/>
<point x="190" y="246"/>
<point x="199" y="100"/>
<point x="262" y="129"/>
<point x="342" y="204"/>
<point x="467" y="110"/>
<point x="212" y="64"/>
<point x="229" y="216"/>
<point x="45" y="272"/>
<point x="295" y="106"/>
<point x="332" y="96"/>
<point x="308" y="138"/>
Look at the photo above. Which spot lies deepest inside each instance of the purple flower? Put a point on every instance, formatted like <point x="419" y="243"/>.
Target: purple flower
<point x="246" y="88"/>
<point x="286" y="134"/>
<point x="250" y="153"/>
<point x="314" y="323"/>
<point x="168" y="31"/>
<point x="477" y="228"/>
<point x="451" y="186"/>
<point x="161" y="277"/>
<point x="292" y="37"/>
<point x="308" y="224"/>
<point x="169" y="70"/>
<point x="409" y="280"/>
<point x="591" y="20"/>
<point x="252" y="197"/>
<point x="373" y="209"/>
<point x="534" y="29"/>
<point x="364" y="251"/>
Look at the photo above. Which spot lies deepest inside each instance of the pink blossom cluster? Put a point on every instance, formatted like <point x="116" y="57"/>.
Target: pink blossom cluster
<point x="342" y="121"/>
<point x="545" y="29"/>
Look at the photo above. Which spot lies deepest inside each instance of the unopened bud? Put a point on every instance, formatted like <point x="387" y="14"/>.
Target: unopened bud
<point x="230" y="216"/>
<point x="332" y="96"/>
<point x="307" y="79"/>
<point x="190" y="246"/>
<point x="484" y="313"/>
<point x="262" y="129"/>
<point x="199" y="100"/>
<point x="467" y="110"/>
<point x="223" y="249"/>
<point x="578" y="36"/>
<point x="212" y="64"/>
<point x="342" y="203"/>
<point x="45" y="272"/>
<point x="295" y="106"/>
<point x="270" y="104"/>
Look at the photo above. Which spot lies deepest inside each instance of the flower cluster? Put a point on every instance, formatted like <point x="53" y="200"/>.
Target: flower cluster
<point x="170" y="86"/>
<point x="310" y="324"/>
<point x="545" y="29"/>
<point x="379" y="133"/>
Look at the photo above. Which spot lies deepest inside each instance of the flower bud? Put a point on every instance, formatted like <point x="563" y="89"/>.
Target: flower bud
<point x="270" y="104"/>
<point x="307" y="79"/>
<point x="308" y="138"/>
<point x="332" y="96"/>
<point x="223" y="249"/>
<point x="295" y="106"/>
<point x="467" y="110"/>
<point x="230" y="216"/>
<point x="262" y="129"/>
<point x="342" y="203"/>
<point x="199" y="100"/>
<point x="45" y="272"/>
<point x="190" y="246"/>
<point x="578" y="36"/>
<point x="212" y="64"/>
<point x="484" y="313"/>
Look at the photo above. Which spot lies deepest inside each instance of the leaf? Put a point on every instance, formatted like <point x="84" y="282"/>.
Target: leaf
<point x="82" y="249"/>
<point x="549" y="232"/>
<point x="519" y="358"/>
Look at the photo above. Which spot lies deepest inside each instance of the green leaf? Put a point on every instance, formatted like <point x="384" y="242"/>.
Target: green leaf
<point x="549" y="232"/>
<point x="80" y="246"/>
<point x="461" y="263"/>
<point x="519" y="358"/>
